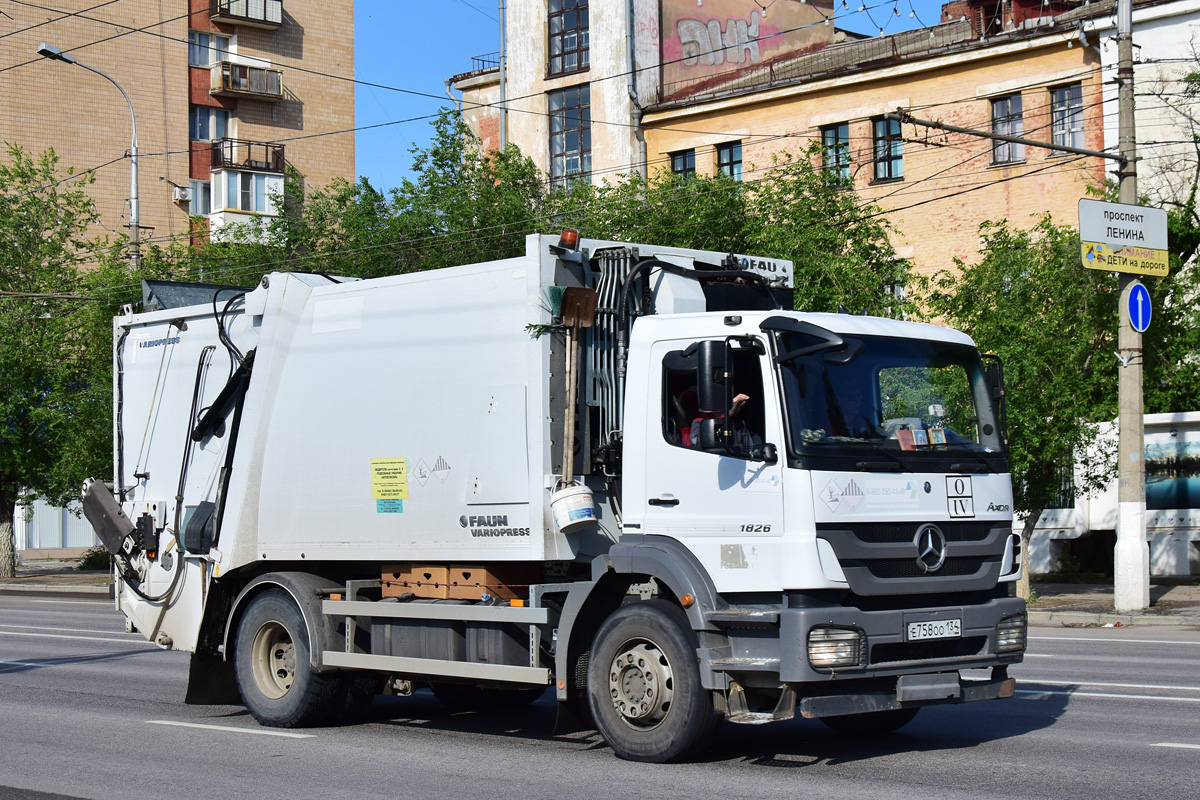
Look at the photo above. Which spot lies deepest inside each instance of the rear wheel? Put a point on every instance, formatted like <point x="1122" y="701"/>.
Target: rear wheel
<point x="875" y="722"/>
<point x="644" y="685"/>
<point x="271" y="658"/>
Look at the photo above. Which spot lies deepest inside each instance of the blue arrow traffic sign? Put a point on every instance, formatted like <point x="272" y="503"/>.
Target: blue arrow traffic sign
<point x="1139" y="307"/>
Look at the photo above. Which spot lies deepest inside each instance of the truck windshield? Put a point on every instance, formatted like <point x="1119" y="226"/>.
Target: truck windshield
<point x="898" y="401"/>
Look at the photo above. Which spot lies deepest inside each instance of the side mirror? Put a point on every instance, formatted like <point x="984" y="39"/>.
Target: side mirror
<point x="766" y="453"/>
<point x="712" y="435"/>
<point x="711" y="370"/>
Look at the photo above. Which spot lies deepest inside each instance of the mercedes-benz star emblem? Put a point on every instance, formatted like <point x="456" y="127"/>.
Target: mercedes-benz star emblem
<point x="931" y="548"/>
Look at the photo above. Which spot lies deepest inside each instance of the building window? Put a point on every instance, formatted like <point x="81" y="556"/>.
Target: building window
<point x="729" y="160"/>
<point x="246" y="191"/>
<point x="206" y="49"/>
<point x="683" y="163"/>
<point x="206" y="124"/>
<point x="889" y="150"/>
<point x="568" y="36"/>
<point x="836" y="142"/>
<point x="1066" y="115"/>
<point x="1007" y="121"/>
<point x="201" y="203"/>
<point x="570" y="134"/>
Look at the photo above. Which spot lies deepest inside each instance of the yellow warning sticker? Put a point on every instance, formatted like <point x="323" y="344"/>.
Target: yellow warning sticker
<point x="389" y="478"/>
<point x="1138" y="260"/>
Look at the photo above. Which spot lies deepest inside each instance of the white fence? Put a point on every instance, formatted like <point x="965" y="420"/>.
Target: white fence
<point x="1172" y="458"/>
<point x="46" y="527"/>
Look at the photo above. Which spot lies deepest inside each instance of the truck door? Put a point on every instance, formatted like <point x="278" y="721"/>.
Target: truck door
<point x="727" y="509"/>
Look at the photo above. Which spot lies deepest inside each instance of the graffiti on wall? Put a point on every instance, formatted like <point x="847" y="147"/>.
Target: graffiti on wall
<point x="706" y="43"/>
<point x="715" y="37"/>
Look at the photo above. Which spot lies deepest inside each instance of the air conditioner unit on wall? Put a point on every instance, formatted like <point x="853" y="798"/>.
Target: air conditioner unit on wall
<point x="181" y="194"/>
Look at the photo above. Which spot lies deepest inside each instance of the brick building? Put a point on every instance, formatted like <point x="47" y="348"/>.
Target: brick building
<point x="220" y="89"/>
<point x="727" y="85"/>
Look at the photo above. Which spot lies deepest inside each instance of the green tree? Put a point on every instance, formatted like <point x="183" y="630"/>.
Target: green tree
<point x="794" y="209"/>
<point x="461" y="206"/>
<point x="53" y="405"/>
<point x="1029" y="300"/>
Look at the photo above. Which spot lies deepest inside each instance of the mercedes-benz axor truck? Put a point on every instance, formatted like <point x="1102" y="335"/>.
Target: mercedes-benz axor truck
<point x="628" y="475"/>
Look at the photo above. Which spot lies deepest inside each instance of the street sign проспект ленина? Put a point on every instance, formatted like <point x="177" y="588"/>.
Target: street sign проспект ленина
<point x="1117" y="237"/>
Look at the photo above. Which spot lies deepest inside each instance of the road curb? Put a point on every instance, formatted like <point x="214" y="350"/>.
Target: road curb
<point x="1092" y="619"/>
<point x="57" y="589"/>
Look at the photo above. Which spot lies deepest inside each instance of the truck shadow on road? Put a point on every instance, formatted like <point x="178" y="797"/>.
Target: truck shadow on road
<point x="804" y="743"/>
<point x="11" y="667"/>
<point x="793" y="744"/>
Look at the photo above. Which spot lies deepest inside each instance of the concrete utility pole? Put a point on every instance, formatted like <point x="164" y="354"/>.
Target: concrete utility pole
<point x="1131" y="561"/>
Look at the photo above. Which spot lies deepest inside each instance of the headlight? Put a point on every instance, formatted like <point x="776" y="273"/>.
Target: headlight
<point x="1010" y="634"/>
<point x="836" y="647"/>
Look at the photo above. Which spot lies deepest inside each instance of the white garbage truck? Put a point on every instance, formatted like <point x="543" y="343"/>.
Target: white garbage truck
<point x="626" y="474"/>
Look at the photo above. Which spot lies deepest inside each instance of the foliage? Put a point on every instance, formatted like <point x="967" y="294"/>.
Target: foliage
<point x="462" y="206"/>
<point x="48" y="397"/>
<point x="95" y="558"/>
<point x="1054" y="323"/>
<point x="1171" y="345"/>
<point x="794" y="210"/>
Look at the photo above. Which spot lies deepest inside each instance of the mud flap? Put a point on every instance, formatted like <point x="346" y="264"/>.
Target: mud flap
<point x="211" y="682"/>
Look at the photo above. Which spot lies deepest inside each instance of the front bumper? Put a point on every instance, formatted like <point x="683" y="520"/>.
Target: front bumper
<point x="911" y="691"/>
<point x="887" y="651"/>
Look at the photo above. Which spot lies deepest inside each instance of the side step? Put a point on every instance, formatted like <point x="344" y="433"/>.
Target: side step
<point x="740" y="713"/>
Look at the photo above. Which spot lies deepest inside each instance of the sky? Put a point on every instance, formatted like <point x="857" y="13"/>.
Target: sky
<point x="412" y="46"/>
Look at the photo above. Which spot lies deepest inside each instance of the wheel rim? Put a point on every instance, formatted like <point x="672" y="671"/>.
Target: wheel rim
<point x="274" y="657"/>
<point x="641" y="683"/>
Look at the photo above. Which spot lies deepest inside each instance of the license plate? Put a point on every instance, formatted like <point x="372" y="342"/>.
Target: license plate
<point x="935" y="629"/>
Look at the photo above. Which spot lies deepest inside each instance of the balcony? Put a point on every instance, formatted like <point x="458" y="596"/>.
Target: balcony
<point x="267" y="14"/>
<point x="242" y="155"/>
<point x="239" y="80"/>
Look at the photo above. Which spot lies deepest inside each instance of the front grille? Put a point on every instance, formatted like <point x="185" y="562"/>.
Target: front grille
<point x="909" y="568"/>
<point x="924" y="651"/>
<point x="898" y="533"/>
<point x="880" y="558"/>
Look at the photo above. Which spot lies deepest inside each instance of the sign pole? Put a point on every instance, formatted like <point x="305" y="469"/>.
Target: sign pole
<point x="1131" y="559"/>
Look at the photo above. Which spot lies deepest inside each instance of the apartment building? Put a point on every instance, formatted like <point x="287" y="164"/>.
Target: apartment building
<point x="596" y="89"/>
<point x="221" y="90"/>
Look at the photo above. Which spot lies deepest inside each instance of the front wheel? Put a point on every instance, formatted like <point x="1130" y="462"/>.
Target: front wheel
<point x="271" y="659"/>
<point x="875" y="722"/>
<point x="644" y="686"/>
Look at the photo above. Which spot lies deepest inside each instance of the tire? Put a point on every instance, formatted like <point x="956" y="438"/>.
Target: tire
<point x="468" y="697"/>
<point x="356" y="694"/>
<point x="271" y="660"/>
<point x="644" y="687"/>
<point x="873" y="723"/>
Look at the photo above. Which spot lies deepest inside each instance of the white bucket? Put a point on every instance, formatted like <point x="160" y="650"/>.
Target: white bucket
<point x="573" y="509"/>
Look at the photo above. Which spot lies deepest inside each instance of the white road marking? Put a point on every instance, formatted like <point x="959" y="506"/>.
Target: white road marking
<point x="284" y="734"/>
<point x="1110" y="695"/>
<point x="108" y="603"/>
<point x="1177" y="744"/>
<point x="1115" y="685"/>
<point x="75" y="638"/>
<point x="1106" y="639"/>
<point x="45" y="628"/>
<point x="27" y="664"/>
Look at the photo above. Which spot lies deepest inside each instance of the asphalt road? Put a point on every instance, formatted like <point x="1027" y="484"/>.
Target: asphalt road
<point x="89" y="711"/>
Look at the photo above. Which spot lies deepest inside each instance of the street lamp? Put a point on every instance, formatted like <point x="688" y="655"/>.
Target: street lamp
<point x="53" y="53"/>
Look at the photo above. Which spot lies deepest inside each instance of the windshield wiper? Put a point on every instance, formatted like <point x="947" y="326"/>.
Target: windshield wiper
<point x="896" y="464"/>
